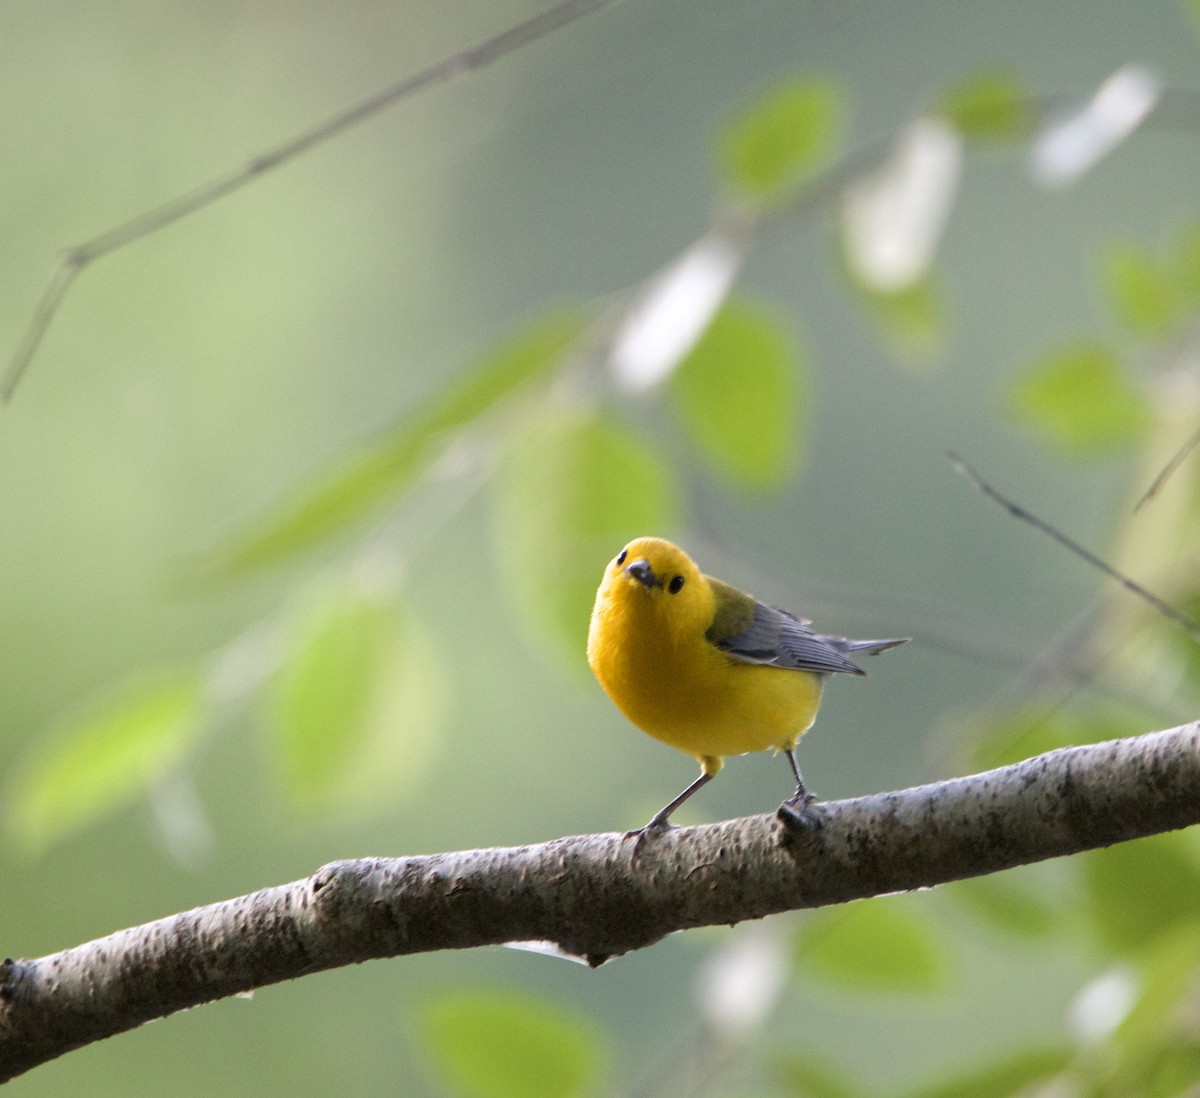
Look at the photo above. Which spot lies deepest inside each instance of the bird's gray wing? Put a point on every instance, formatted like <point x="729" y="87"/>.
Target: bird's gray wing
<point x="775" y="637"/>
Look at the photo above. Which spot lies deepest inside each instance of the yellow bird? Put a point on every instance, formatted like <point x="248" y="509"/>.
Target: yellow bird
<point x="705" y="667"/>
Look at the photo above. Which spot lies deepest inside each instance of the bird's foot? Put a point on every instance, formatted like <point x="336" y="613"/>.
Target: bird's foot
<point x="656" y="827"/>
<point x="798" y="816"/>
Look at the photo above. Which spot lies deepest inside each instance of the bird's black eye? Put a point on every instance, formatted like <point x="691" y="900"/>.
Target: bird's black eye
<point x="621" y="557"/>
<point x="676" y="585"/>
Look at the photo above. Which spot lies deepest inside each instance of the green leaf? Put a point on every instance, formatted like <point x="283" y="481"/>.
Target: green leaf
<point x="572" y="490"/>
<point x="782" y="139"/>
<point x="993" y="104"/>
<point x="365" y="478"/>
<point x="1043" y="724"/>
<point x="1018" y="1075"/>
<point x="810" y="1075"/>
<point x="1182" y="647"/>
<point x="1081" y="399"/>
<point x="1007" y="906"/>
<point x="1192" y="9"/>
<point x="1147" y="1042"/>
<point x="873" y="944"/>
<point x="355" y="708"/>
<point x="1143" y="293"/>
<point x="912" y="320"/>
<point x="1138" y="891"/>
<point x="1021" y="735"/>
<point x="1174" y="1072"/>
<point x="494" y="1044"/>
<point x="1187" y="264"/>
<point x="104" y="760"/>
<point x="736" y="393"/>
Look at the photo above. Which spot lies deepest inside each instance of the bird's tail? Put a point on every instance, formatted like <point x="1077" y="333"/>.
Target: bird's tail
<point x="867" y="647"/>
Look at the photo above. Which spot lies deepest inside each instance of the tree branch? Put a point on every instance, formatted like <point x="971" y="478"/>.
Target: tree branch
<point x="592" y="897"/>
<point x="80" y="256"/>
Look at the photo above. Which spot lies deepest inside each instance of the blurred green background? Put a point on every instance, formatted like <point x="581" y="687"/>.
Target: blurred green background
<point x="201" y="375"/>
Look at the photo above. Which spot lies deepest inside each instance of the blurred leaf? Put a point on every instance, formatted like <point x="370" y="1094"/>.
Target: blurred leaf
<point x="741" y="981"/>
<point x="1021" y="735"/>
<point x="994" y="104"/>
<point x="1142" y="292"/>
<point x="912" y="320"/>
<point x="572" y="491"/>
<point x="1192" y="7"/>
<point x="1175" y="1071"/>
<point x="354" y="708"/>
<point x="893" y="216"/>
<point x="1043" y="724"/>
<point x="1148" y="1038"/>
<point x="1070" y="144"/>
<point x="877" y="944"/>
<point x="1181" y="643"/>
<point x="493" y="1044"/>
<point x="809" y="1075"/>
<point x="1006" y="905"/>
<point x="736" y="393"/>
<point x="104" y="760"/>
<point x="363" y="479"/>
<point x="1187" y="264"/>
<point x="1008" y="1078"/>
<point x="782" y="139"/>
<point x="1081" y="400"/>
<point x="672" y="311"/>
<point x="1102" y="1004"/>
<point x="1142" y="889"/>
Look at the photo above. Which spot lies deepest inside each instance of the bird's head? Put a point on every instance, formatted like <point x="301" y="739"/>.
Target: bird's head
<point x="655" y="576"/>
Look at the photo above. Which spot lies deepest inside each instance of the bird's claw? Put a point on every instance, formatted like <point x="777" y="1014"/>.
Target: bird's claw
<point x="652" y="830"/>
<point x="798" y="816"/>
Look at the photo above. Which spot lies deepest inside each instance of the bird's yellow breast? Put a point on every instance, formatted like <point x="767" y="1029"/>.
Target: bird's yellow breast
<point x="650" y="653"/>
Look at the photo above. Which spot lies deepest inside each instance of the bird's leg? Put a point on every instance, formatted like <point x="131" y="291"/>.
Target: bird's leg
<point x="802" y="796"/>
<point x="794" y="812"/>
<point x="710" y="767"/>
<point x="658" y="821"/>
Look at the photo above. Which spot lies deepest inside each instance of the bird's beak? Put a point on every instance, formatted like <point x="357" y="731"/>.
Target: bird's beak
<point x="641" y="571"/>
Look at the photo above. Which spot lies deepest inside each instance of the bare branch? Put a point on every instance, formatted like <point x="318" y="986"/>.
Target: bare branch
<point x="109" y="241"/>
<point x="591" y="896"/>
<point x="1168" y="470"/>
<point x="1017" y="511"/>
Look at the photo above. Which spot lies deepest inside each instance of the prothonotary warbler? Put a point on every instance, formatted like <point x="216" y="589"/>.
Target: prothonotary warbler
<point x="705" y="667"/>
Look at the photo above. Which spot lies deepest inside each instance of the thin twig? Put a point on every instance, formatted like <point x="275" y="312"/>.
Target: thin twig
<point x="80" y="256"/>
<point x="1164" y="608"/>
<point x="1168" y="470"/>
